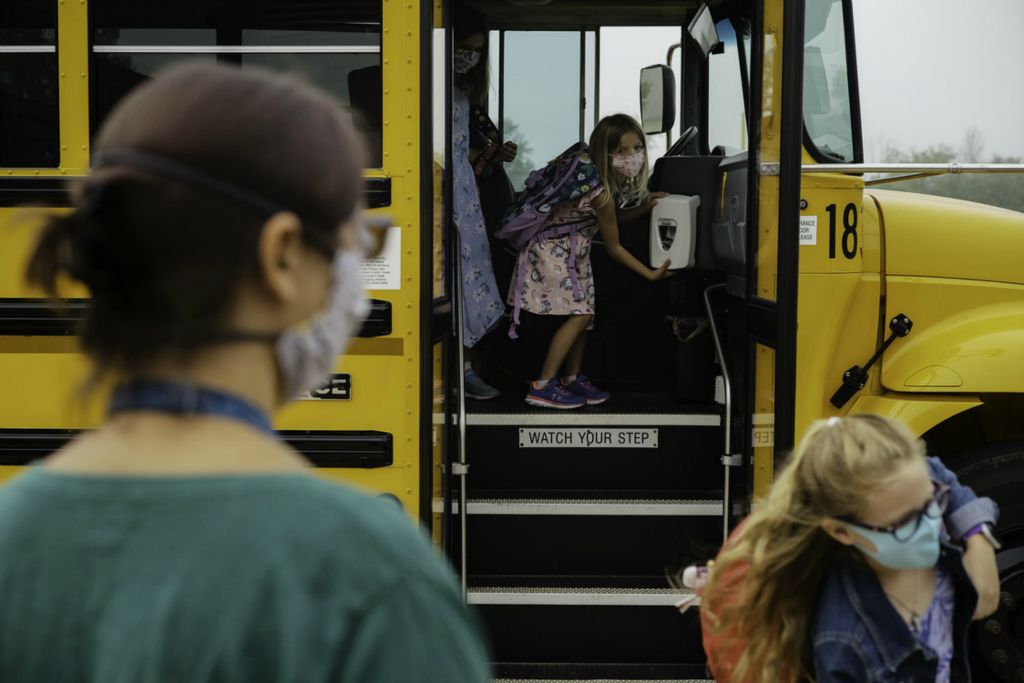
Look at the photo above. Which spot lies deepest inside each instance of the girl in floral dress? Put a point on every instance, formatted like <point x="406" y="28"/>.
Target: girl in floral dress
<point x="555" y="277"/>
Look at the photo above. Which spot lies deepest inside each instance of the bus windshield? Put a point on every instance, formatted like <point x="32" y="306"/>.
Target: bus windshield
<point x="827" y="116"/>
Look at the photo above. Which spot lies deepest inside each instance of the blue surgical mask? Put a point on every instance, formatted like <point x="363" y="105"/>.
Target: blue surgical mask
<point x="920" y="550"/>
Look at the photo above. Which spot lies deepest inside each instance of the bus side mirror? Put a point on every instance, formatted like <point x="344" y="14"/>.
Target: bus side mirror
<point x="657" y="98"/>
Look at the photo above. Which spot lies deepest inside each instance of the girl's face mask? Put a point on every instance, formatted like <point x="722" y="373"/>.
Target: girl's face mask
<point x="628" y="165"/>
<point x="464" y="60"/>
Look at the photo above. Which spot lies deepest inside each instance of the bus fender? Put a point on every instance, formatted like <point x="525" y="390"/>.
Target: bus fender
<point x="919" y="412"/>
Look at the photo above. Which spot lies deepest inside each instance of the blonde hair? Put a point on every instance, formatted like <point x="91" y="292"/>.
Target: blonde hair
<point x="604" y="140"/>
<point x="768" y="615"/>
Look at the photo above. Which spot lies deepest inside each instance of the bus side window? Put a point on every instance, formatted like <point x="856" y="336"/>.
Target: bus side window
<point x="28" y="87"/>
<point x="336" y="46"/>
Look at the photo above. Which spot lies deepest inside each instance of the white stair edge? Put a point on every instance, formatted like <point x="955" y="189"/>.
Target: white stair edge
<point x="573" y="418"/>
<point x="604" y="597"/>
<point x="587" y="508"/>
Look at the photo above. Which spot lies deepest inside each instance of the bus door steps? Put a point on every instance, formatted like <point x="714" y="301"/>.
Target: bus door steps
<point x="589" y="596"/>
<point x="575" y="522"/>
<point x="597" y="507"/>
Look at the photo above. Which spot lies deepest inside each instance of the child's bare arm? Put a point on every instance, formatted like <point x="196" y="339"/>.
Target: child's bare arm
<point x="625" y="215"/>
<point x="609" y="227"/>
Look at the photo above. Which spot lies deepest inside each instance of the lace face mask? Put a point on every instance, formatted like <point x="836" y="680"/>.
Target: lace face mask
<point x="464" y="60"/>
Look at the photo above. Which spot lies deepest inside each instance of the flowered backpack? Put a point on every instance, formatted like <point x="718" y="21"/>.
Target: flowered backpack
<point x="565" y="178"/>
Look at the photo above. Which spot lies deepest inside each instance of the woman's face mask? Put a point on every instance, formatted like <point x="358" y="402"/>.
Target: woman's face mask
<point x="919" y="551"/>
<point x="914" y="544"/>
<point x="307" y="356"/>
<point x="628" y="165"/>
<point x="464" y="60"/>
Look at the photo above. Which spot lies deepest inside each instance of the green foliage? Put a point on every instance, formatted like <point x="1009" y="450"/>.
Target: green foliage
<point x="521" y="166"/>
<point x="996" y="189"/>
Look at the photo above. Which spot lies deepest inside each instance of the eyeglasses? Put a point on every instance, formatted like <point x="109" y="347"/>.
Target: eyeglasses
<point x="904" y="529"/>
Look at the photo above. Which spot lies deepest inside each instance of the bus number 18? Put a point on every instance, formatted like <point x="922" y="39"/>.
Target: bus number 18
<point x="849" y="236"/>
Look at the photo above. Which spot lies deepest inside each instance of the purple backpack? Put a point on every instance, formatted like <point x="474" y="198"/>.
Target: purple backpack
<point x="565" y="178"/>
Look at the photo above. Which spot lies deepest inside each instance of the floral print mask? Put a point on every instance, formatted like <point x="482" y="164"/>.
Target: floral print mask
<point x="628" y="165"/>
<point x="464" y="60"/>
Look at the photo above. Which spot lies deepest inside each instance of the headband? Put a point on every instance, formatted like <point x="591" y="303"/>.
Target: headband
<point x="195" y="177"/>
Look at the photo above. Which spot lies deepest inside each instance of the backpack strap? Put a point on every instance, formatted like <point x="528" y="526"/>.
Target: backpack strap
<point x="517" y="304"/>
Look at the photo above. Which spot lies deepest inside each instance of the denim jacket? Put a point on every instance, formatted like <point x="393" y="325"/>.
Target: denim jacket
<point x="860" y="637"/>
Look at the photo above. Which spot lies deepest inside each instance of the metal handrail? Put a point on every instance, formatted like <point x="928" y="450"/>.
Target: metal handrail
<point x="727" y="419"/>
<point x="952" y="168"/>
<point x="460" y="415"/>
<point x="910" y="171"/>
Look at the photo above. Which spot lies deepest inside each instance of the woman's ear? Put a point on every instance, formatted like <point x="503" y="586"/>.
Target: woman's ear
<point x="279" y="255"/>
<point x="837" y="530"/>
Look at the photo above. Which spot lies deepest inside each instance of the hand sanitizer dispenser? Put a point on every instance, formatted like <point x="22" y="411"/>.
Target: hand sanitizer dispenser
<point x="674" y="231"/>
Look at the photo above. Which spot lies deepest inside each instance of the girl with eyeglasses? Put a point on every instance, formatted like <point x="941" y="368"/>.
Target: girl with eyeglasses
<point x="867" y="562"/>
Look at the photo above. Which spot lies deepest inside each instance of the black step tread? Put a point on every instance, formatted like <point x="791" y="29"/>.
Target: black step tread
<point x="600" y="680"/>
<point x="597" y="672"/>
<point x="511" y="403"/>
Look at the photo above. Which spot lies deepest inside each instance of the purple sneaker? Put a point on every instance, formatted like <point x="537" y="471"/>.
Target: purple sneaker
<point x="582" y="387"/>
<point x="554" y="395"/>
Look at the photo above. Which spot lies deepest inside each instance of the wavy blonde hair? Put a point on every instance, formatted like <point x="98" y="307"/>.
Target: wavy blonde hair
<point x="767" y="616"/>
<point x="604" y="140"/>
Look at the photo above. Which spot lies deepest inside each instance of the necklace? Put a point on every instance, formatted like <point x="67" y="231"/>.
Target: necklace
<point x="915" y="618"/>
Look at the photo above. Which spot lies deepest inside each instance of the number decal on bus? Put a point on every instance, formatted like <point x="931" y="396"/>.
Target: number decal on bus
<point x="849" y="237"/>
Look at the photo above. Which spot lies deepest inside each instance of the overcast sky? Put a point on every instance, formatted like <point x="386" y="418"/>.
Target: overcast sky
<point x="929" y="70"/>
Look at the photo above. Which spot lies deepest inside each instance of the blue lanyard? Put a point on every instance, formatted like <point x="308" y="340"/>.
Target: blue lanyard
<point x="185" y="399"/>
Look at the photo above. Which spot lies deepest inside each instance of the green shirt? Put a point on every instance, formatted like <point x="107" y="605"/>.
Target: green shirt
<point x="223" y="578"/>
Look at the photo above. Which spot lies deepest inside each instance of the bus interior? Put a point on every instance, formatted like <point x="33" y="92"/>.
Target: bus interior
<point x="650" y="341"/>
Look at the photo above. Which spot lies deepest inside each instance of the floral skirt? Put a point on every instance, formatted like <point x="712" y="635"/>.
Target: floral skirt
<point x="548" y="284"/>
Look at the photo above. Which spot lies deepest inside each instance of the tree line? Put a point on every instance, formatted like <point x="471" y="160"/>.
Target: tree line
<point x="996" y="189"/>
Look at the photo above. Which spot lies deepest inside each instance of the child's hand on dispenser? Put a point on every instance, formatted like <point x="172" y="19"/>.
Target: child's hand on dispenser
<point x="661" y="273"/>
<point x="651" y="201"/>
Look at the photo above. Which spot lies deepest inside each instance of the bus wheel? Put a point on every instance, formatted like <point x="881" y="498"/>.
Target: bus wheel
<point x="997" y="642"/>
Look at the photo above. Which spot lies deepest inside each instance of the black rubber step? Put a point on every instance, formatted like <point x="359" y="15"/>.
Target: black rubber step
<point x="536" y="545"/>
<point x="605" y="641"/>
<point x="685" y="458"/>
<point x="594" y="673"/>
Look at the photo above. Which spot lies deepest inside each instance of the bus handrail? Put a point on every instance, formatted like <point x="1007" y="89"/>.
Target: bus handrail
<point x="727" y="456"/>
<point x="898" y="171"/>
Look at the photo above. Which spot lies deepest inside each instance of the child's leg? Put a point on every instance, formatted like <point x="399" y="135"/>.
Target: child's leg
<point x="574" y="361"/>
<point x="575" y="381"/>
<point x="562" y="344"/>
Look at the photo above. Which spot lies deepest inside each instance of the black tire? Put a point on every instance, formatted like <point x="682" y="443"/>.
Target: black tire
<point x="997" y="642"/>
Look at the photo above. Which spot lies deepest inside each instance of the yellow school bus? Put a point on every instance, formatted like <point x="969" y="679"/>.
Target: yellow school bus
<point x="66" y="64"/>
<point x="808" y="292"/>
